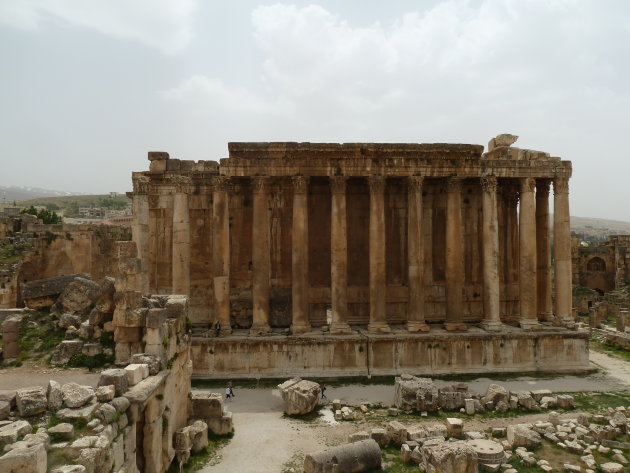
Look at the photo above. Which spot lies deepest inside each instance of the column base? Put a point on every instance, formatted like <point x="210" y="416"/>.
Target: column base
<point x="414" y="326"/>
<point x="567" y="323"/>
<point x="339" y="328"/>
<point x="222" y="333"/>
<point x="300" y="328"/>
<point x="456" y="326"/>
<point x="529" y="324"/>
<point x="546" y="317"/>
<point x="379" y="327"/>
<point x="258" y="330"/>
<point x="491" y="326"/>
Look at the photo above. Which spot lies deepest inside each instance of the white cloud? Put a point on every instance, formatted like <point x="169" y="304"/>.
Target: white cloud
<point x="162" y="24"/>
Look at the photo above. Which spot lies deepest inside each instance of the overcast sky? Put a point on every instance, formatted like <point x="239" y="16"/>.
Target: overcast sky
<point x="87" y="87"/>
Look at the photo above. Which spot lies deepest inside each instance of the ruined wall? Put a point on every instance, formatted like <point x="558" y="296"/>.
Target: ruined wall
<point x="605" y="267"/>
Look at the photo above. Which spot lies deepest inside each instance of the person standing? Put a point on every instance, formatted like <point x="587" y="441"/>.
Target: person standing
<point x="228" y="393"/>
<point x="217" y="329"/>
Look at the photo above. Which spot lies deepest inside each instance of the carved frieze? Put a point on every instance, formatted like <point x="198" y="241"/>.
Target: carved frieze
<point x="220" y="183"/>
<point x="181" y="184"/>
<point x="141" y="185"/>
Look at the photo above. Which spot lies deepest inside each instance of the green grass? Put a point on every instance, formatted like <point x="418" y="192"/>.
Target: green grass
<point x="204" y="457"/>
<point x="599" y="401"/>
<point x="610" y="349"/>
<point x="38" y="340"/>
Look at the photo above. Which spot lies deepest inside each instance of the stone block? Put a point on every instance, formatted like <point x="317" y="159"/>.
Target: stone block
<point x="151" y="360"/>
<point x="522" y="435"/>
<point x="412" y="393"/>
<point x="358" y="436"/>
<point x="25" y="460"/>
<point x="448" y="457"/>
<point x="136" y="373"/>
<point x="300" y="396"/>
<point x="206" y="405"/>
<point x="454" y="427"/>
<point x="117" y="378"/>
<point x="121" y="404"/>
<point x="223" y="425"/>
<point x="5" y="409"/>
<point x="105" y="393"/>
<point x="155" y="318"/>
<point x="75" y="395"/>
<point x="69" y="469"/>
<point x="31" y="401"/>
<point x="54" y="394"/>
<point x="364" y="455"/>
<point x="10" y="432"/>
<point x="81" y="413"/>
<point x="128" y="334"/>
<point x="380" y="436"/>
<point x="397" y="433"/>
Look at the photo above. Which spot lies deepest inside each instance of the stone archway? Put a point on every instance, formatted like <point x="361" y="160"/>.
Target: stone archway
<point x="596" y="264"/>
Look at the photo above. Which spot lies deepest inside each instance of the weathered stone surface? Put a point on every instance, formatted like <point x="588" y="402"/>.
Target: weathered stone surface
<point x="350" y="458"/>
<point x="504" y="139"/>
<point x="136" y="373"/>
<point x="63" y="431"/>
<point x="525" y="400"/>
<point x="496" y="393"/>
<point x="10" y="432"/>
<point x="8" y="396"/>
<point x="454" y="427"/>
<point x="5" y="409"/>
<point x="64" y="351"/>
<point x="75" y="395"/>
<point x="448" y="457"/>
<point x="105" y="393"/>
<point x="69" y="320"/>
<point x="397" y="432"/>
<point x="565" y="401"/>
<point x="412" y="393"/>
<point x="356" y="436"/>
<point x="222" y="425"/>
<point x="522" y="435"/>
<point x="452" y="400"/>
<point x="151" y="360"/>
<point x="43" y="288"/>
<point x="69" y="469"/>
<point x="31" y="401"/>
<point x="54" y="395"/>
<point x="117" y="378"/>
<point x="24" y="460"/>
<point x="121" y="404"/>
<point x="380" y="436"/>
<point x="300" y="396"/>
<point x="106" y="413"/>
<point x="78" y="297"/>
<point x="82" y="413"/>
<point x="611" y="467"/>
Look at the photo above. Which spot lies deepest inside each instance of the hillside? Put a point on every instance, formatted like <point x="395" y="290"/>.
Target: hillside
<point x="66" y="202"/>
<point x="10" y="193"/>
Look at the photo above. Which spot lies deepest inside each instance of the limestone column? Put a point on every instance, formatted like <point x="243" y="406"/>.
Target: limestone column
<point x="543" y="251"/>
<point x="260" y="257"/>
<point x="338" y="256"/>
<point x="140" y="228"/>
<point x="511" y="196"/>
<point x="378" y="287"/>
<point x="415" y="307"/>
<point x="528" y="317"/>
<point x="181" y="235"/>
<point x="562" y="251"/>
<point x="490" y="241"/>
<point x="299" y="256"/>
<point x="221" y="252"/>
<point x="454" y="267"/>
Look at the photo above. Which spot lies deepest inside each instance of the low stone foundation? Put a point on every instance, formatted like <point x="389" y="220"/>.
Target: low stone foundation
<point x="438" y="352"/>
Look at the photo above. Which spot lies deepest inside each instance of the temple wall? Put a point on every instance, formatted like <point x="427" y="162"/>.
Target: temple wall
<point x="555" y="351"/>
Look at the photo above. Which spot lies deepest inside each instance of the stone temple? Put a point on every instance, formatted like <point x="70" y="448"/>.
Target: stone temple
<point x="323" y="259"/>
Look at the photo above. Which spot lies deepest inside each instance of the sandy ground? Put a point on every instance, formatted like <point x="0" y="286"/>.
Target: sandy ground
<point x="266" y="442"/>
<point x="25" y="376"/>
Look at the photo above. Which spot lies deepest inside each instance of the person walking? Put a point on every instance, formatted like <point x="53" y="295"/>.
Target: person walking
<point x="322" y="389"/>
<point x="228" y="393"/>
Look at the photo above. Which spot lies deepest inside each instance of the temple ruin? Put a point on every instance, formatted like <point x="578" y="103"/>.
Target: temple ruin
<point x="364" y="258"/>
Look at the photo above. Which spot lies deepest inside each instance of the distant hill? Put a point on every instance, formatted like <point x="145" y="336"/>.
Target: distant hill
<point x="71" y="203"/>
<point x="599" y="226"/>
<point x="11" y="193"/>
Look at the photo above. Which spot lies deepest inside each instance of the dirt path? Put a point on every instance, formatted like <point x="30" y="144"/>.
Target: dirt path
<point x="25" y="376"/>
<point x="613" y="367"/>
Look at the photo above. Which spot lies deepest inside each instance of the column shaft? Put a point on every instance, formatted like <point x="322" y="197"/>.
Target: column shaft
<point x="221" y="252"/>
<point x="140" y="228"/>
<point x="299" y="255"/>
<point x="543" y="252"/>
<point x="181" y="236"/>
<point x="338" y="256"/>
<point x="454" y="267"/>
<point x="260" y="257"/>
<point x="562" y="251"/>
<point x="490" y="240"/>
<point x="415" y="250"/>
<point x="378" y="286"/>
<point x="527" y="255"/>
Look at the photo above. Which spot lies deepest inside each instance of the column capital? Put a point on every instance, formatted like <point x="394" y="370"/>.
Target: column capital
<point x="542" y="186"/>
<point x="560" y="185"/>
<point x="377" y="184"/>
<point x="141" y="185"/>
<point x="300" y="184"/>
<point x="260" y="184"/>
<point x="489" y="183"/>
<point x="220" y="183"/>
<point x="182" y="184"/>
<point x="338" y="184"/>
<point x="510" y="193"/>
<point x="454" y="184"/>
<point x="415" y="183"/>
<point x="528" y="184"/>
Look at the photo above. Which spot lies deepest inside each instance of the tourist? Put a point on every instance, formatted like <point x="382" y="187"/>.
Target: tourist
<point x="228" y="393"/>
<point x="322" y="389"/>
<point x="217" y="329"/>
